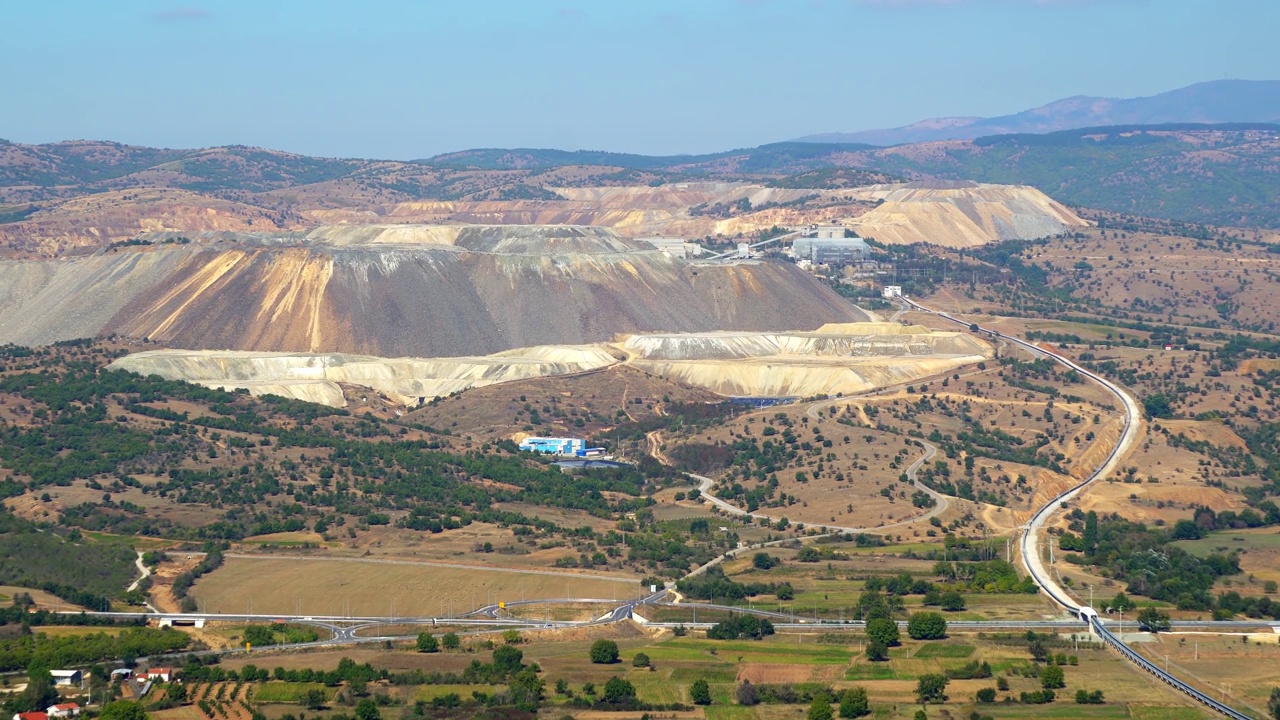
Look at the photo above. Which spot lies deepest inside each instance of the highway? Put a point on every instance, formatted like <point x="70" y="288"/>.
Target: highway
<point x="1030" y="540"/>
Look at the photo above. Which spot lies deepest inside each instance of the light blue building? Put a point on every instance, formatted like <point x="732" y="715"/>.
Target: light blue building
<point x="553" y="446"/>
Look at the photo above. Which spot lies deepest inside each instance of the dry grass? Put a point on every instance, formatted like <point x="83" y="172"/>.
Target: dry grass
<point x="354" y="587"/>
<point x="499" y="411"/>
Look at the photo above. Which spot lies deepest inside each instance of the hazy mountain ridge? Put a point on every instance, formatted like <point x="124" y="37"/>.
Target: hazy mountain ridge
<point x="1216" y="101"/>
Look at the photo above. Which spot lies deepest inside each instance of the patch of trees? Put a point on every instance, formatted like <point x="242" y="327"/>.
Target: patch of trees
<point x="741" y="627"/>
<point x="263" y="635"/>
<point x="85" y="574"/>
<point x="988" y="576"/>
<point x="21" y="612"/>
<point x="713" y="584"/>
<point x="688" y="417"/>
<point x="927" y="626"/>
<point x="212" y="561"/>
<point x="1146" y="560"/>
<point x="46" y="651"/>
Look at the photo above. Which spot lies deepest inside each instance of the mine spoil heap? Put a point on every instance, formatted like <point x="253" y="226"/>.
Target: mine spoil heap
<point x="400" y="291"/>
<point x="834" y="359"/>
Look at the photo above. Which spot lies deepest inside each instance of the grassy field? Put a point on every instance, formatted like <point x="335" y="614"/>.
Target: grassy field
<point x="837" y="662"/>
<point x="287" y="692"/>
<point x="428" y="693"/>
<point x="352" y="587"/>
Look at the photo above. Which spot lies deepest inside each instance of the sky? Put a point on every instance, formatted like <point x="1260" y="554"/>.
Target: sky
<point x="411" y="79"/>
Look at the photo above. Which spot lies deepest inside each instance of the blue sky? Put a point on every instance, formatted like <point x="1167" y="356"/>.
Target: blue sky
<point x="410" y="79"/>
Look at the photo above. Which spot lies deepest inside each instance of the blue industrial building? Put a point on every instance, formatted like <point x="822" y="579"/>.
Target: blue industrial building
<point x="553" y="446"/>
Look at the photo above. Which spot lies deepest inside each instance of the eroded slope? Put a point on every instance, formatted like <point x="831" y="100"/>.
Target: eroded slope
<point x="433" y="298"/>
<point x="844" y="358"/>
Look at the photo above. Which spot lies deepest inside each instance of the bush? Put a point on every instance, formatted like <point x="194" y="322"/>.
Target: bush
<point x="747" y="694"/>
<point x="986" y="695"/>
<point x="931" y="688"/>
<point x="952" y="601"/>
<point x="618" y="691"/>
<point x="971" y="670"/>
<point x="700" y="692"/>
<point x="1052" y="678"/>
<point x="1039" y="697"/>
<point x="820" y="709"/>
<point x="764" y="561"/>
<point x="877" y="652"/>
<point x="1154" y="620"/>
<point x="427" y="643"/>
<point x="1084" y="697"/>
<point x="882" y="631"/>
<point x="854" y="703"/>
<point x="927" y="626"/>
<point x="640" y="660"/>
<point x="604" y="652"/>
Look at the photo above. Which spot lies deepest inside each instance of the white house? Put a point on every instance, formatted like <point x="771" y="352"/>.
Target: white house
<point x="65" y="710"/>
<point x="159" y="674"/>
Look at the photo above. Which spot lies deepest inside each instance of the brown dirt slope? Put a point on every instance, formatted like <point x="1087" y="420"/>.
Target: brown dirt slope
<point x="392" y="301"/>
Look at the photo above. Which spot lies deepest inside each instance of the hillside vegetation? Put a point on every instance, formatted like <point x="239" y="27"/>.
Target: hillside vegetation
<point x="1223" y="175"/>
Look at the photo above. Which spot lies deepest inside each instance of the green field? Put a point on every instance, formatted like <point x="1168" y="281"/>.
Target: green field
<point x="1229" y="540"/>
<point x="287" y="692"/>
<point x="944" y="650"/>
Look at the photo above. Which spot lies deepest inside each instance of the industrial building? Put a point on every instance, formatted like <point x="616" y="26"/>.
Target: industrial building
<point x="831" y="250"/>
<point x="554" y="446"/>
<point x="891" y="291"/>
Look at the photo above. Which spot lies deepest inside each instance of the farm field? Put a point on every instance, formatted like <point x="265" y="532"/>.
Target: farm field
<point x="1242" y="668"/>
<point x="352" y="587"/>
<point x="1259" y="550"/>
<point x="800" y="661"/>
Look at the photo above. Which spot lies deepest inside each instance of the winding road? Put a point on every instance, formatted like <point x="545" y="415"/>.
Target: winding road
<point x="1030" y="545"/>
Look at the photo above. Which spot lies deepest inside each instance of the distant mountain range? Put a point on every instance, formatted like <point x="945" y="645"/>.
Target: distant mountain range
<point x="1217" y="101"/>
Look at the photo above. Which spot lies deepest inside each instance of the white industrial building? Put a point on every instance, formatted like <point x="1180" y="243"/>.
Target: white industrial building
<point x="554" y="445"/>
<point x="831" y="250"/>
<point x="891" y="291"/>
